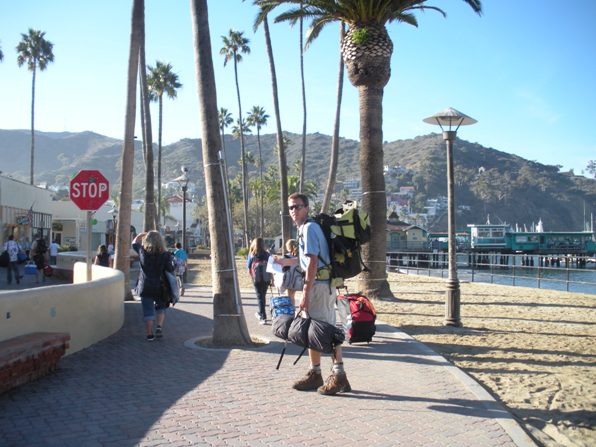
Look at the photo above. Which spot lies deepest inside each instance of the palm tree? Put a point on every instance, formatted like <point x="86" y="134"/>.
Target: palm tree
<point x="303" y="88"/>
<point x="225" y="119"/>
<point x="234" y="45"/>
<point x="229" y="324"/>
<point x="366" y="51"/>
<point x="258" y="118"/>
<point x="36" y="51"/>
<point x="122" y="254"/>
<point x="281" y="151"/>
<point x="150" y="208"/>
<point x="335" y="139"/>
<point x="161" y="80"/>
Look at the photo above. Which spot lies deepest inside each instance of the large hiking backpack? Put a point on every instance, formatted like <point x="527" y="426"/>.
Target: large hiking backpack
<point x="258" y="271"/>
<point x="360" y="321"/>
<point x="41" y="246"/>
<point x="345" y="232"/>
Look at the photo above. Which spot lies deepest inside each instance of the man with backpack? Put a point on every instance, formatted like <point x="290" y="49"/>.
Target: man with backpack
<point x="39" y="255"/>
<point x="318" y="297"/>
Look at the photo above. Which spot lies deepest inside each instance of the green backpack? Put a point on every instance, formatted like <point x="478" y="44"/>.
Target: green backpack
<point x="345" y="231"/>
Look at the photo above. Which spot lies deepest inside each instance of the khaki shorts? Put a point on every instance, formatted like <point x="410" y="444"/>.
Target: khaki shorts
<point x="321" y="304"/>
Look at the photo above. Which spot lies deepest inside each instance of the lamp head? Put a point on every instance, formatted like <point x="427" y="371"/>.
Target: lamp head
<point x="449" y="118"/>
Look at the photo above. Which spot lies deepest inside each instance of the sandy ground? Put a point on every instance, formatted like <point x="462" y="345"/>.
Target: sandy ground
<point x="534" y="350"/>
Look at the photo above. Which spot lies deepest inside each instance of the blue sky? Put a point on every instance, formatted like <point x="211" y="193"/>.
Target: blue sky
<point x="526" y="70"/>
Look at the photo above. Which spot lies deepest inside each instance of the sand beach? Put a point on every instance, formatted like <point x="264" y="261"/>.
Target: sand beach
<point x="533" y="349"/>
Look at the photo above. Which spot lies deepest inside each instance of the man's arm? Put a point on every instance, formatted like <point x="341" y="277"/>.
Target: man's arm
<point x="312" y="262"/>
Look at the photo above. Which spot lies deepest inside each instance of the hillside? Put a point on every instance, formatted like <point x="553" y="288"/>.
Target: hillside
<point x="491" y="183"/>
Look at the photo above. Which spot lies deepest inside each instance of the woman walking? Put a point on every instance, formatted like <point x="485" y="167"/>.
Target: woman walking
<point x="257" y="267"/>
<point x="155" y="260"/>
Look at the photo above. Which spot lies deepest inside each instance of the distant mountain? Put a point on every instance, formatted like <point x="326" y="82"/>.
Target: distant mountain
<point x="491" y="183"/>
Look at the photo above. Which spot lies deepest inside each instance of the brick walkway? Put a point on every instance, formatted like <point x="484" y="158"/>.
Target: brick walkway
<point x="125" y="391"/>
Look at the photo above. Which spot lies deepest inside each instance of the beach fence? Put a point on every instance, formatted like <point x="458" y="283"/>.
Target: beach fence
<point x="556" y="272"/>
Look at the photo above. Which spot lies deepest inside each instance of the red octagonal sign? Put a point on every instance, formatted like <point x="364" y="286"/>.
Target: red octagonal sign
<point x="89" y="190"/>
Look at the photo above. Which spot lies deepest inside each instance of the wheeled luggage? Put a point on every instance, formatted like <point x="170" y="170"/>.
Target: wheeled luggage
<point x="360" y="321"/>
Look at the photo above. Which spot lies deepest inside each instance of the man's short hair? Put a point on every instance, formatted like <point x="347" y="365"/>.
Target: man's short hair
<point x="299" y="196"/>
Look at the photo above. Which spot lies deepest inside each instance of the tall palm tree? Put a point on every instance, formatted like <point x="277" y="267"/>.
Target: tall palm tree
<point x="303" y="88"/>
<point x="161" y="80"/>
<point x="225" y="119"/>
<point x="229" y="324"/>
<point x="366" y="50"/>
<point x="335" y="138"/>
<point x="258" y="118"/>
<point x="36" y="52"/>
<point x="286" y="222"/>
<point x="122" y="254"/>
<point x="150" y="208"/>
<point x="235" y="44"/>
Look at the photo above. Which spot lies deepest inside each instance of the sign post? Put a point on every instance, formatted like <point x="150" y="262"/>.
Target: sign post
<point x="89" y="190"/>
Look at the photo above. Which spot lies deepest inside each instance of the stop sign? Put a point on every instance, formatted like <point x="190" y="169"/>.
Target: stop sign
<point x="89" y="190"/>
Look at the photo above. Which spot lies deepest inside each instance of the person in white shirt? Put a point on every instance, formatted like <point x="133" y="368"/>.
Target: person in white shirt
<point x="13" y="266"/>
<point x="54" y="247"/>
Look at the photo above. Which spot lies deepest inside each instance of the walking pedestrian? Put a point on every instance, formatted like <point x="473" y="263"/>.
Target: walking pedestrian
<point x="39" y="255"/>
<point x="181" y="260"/>
<point x="155" y="260"/>
<point x="12" y="247"/>
<point x="54" y="247"/>
<point x="258" y="257"/>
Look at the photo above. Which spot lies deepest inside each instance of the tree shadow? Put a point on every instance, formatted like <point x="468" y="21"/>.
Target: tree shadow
<point x="120" y="385"/>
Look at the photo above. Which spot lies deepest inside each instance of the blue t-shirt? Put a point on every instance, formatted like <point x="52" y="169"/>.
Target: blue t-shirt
<point x="181" y="254"/>
<point x="311" y="241"/>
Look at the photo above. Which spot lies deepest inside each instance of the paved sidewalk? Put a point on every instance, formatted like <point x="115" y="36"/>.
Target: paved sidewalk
<point x="125" y="391"/>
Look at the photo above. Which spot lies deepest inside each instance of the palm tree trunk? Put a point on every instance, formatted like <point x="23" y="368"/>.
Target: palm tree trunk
<point x="229" y="324"/>
<point x="303" y="158"/>
<point x="374" y="282"/>
<point x="32" y="155"/>
<point x="260" y="192"/>
<point x="122" y="253"/>
<point x="159" y="161"/>
<point x="335" y="139"/>
<point x="243" y="158"/>
<point x="150" y="216"/>
<point x="283" y="167"/>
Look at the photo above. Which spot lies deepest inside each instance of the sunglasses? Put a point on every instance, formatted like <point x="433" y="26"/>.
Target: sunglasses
<point x="296" y="207"/>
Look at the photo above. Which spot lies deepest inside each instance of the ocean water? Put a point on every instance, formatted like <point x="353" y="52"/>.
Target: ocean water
<point x="578" y="280"/>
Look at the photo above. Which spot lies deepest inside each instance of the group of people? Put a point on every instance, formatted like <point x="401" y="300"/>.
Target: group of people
<point x="39" y="253"/>
<point x="311" y="254"/>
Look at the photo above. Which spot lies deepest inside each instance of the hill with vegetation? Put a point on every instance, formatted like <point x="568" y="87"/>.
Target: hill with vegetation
<point x="488" y="182"/>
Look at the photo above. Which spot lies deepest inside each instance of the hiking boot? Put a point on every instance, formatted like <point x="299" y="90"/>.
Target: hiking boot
<point x="310" y="382"/>
<point x="335" y="383"/>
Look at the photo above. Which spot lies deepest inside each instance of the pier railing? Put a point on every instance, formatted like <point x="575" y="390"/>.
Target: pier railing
<point x="569" y="273"/>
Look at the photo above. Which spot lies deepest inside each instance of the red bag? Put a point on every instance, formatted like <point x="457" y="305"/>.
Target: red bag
<point x="360" y="324"/>
<point x="47" y="270"/>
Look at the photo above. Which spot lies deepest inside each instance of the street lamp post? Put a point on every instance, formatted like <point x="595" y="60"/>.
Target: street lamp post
<point x="183" y="181"/>
<point x="451" y="118"/>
